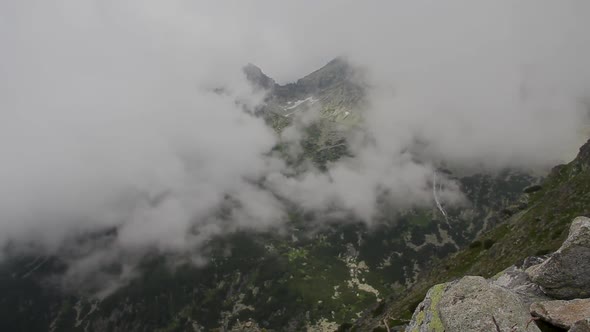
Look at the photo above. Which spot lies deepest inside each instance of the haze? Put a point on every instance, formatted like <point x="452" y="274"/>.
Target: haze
<point x="108" y="117"/>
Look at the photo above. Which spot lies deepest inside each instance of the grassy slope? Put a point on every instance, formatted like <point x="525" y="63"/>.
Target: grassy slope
<point x="537" y="228"/>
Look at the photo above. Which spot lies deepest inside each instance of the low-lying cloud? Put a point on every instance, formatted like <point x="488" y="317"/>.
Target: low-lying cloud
<point x="130" y="115"/>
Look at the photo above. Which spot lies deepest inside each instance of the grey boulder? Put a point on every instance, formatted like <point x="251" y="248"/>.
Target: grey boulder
<point x="470" y="304"/>
<point x="516" y="280"/>
<point x="563" y="314"/>
<point x="566" y="274"/>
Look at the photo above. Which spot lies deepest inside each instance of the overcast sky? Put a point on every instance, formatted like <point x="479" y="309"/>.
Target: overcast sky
<point x="107" y="117"/>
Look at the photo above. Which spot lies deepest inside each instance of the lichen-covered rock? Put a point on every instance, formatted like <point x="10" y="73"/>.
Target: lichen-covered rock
<point x="563" y="314"/>
<point x="581" y="326"/>
<point x="426" y="318"/>
<point x="566" y="274"/>
<point x="470" y="304"/>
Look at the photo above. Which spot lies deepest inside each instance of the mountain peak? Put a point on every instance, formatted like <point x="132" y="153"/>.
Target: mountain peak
<point x="256" y="76"/>
<point x="338" y="69"/>
<point x="339" y="61"/>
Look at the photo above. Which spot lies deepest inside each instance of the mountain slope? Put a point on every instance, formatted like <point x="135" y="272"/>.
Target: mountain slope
<point x="539" y="226"/>
<point x="309" y="277"/>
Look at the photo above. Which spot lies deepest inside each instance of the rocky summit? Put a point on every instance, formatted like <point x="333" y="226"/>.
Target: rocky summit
<point x="516" y="299"/>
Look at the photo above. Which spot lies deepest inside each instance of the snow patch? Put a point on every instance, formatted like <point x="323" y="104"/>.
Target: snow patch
<point x="436" y="198"/>
<point x="294" y="104"/>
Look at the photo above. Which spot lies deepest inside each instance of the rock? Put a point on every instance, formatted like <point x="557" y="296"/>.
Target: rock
<point x="532" y="189"/>
<point x="533" y="260"/>
<point x="516" y="280"/>
<point x="581" y="326"/>
<point x="469" y="305"/>
<point x="563" y="314"/>
<point x="257" y="77"/>
<point x="566" y="274"/>
<point x="426" y="318"/>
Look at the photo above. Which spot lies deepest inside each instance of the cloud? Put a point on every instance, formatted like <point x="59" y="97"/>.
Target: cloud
<point x="467" y="85"/>
<point x="108" y="119"/>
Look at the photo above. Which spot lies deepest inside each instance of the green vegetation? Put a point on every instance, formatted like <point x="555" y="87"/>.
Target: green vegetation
<point x="538" y="227"/>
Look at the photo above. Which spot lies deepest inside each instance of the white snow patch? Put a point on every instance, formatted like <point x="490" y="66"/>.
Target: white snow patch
<point x="294" y="104"/>
<point x="437" y="200"/>
<point x="35" y="267"/>
<point x="78" y="308"/>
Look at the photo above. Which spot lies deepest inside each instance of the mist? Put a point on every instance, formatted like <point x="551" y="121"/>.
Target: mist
<point x="112" y="116"/>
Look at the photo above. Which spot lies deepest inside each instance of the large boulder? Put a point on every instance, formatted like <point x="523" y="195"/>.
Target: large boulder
<point x="563" y="314"/>
<point x="470" y="304"/>
<point x="566" y="274"/>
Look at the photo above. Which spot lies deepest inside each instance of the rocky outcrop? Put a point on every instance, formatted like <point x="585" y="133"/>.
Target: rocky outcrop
<point x="563" y="314"/>
<point x="470" y="304"/>
<point x="258" y="79"/>
<point x="516" y="280"/>
<point x="520" y="294"/>
<point x="566" y="274"/>
<point x="473" y="303"/>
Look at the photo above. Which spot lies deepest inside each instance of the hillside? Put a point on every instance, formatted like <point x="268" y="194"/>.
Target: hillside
<point x="538" y="225"/>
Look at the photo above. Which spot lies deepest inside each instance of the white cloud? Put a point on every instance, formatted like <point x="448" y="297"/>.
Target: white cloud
<point x="107" y="118"/>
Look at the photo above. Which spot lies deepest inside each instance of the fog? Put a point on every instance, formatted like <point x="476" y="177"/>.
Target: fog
<point x="109" y="119"/>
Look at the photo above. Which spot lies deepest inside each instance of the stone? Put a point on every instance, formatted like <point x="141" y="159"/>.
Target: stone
<point x="533" y="260"/>
<point x="516" y="280"/>
<point x="581" y="326"/>
<point x="566" y="274"/>
<point x="426" y="318"/>
<point x="532" y="189"/>
<point x="563" y="314"/>
<point x="470" y="304"/>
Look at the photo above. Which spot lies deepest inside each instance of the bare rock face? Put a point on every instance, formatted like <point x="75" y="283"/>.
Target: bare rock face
<point x="516" y="280"/>
<point x="470" y="304"/>
<point x="563" y="314"/>
<point x="566" y="274"/>
<point x="581" y="326"/>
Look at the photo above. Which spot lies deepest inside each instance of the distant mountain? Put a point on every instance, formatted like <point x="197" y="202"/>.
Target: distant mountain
<point x="308" y="278"/>
<point x="334" y="95"/>
<point x="337" y="90"/>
